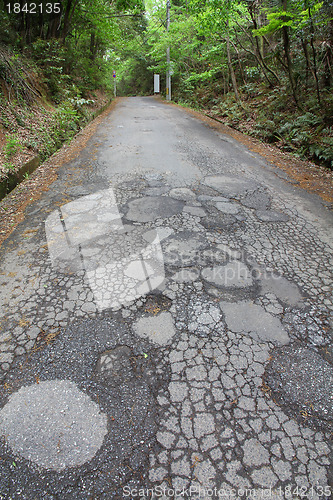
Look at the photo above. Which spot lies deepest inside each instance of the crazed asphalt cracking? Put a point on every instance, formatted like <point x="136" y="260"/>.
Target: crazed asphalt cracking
<point x="207" y="363"/>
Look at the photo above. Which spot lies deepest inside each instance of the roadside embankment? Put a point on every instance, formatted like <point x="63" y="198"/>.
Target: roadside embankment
<point x="31" y="134"/>
<point x="12" y="207"/>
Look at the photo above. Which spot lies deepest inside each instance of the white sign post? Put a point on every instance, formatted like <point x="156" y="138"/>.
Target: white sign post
<point x="156" y="83"/>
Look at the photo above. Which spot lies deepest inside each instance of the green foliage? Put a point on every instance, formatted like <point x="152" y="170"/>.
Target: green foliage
<point x="229" y="109"/>
<point x="195" y="79"/>
<point x="12" y="146"/>
<point x="296" y="19"/>
<point x="323" y="151"/>
<point x="70" y="47"/>
<point x="65" y="124"/>
<point x="4" y="119"/>
<point x="252" y="72"/>
<point x="50" y="56"/>
<point x="9" y="166"/>
<point x="303" y="134"/>
<point x="265" y="128"/>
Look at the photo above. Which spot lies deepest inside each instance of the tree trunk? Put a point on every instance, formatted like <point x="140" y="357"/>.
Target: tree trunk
<point x="328" y="63"/>
<point x="231" y="69"/>
<point x="328" y="58"/>
<point x="286" y="46"/>
<point x="41" y="25"/>
<point x="28" y="30"/>
<point x="93" y="45"/>
<point x="314" y="57"/>
<point x="22" y="24"/>
<point x="259" y="49"/>
<point x="239" y="63"/>
<point x="66" y="20"/>
<point x="259" y="61"/>
<point x="54" y="27"/>
<point x="69" y="11"/>
<point x="307" y="60"/>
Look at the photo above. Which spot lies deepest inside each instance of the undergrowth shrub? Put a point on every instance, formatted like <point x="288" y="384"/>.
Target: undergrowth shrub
<point x="50" y="56"/>
<point x="65" y="123"/>
<point x="12" y="146"/>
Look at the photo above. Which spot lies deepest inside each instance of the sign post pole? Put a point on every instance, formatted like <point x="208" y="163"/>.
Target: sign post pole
<point x="168" y="73"/>
<point x="114" y="83"/>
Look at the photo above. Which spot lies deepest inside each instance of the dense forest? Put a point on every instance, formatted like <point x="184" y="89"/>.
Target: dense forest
<point x="70" y="41"/>
<point x="262" y="66"/>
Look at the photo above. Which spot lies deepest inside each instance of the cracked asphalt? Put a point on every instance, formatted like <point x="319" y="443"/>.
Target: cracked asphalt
<point x="166" y="323"/>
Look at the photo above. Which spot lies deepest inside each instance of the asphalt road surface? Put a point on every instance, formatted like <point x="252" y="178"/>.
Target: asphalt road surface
<point x="165" y="323"/>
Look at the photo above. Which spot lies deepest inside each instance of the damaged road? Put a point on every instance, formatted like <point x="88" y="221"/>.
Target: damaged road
<point x="166" y="323"/>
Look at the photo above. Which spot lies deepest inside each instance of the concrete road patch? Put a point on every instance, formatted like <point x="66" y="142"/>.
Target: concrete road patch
<point x="53" y="424"/>
<point x="247" y="317"/>
<point x="183" y="249"/>
<point x="284" y="289"/>
<point x="184" y="194"/>
<point x="159" y="329"/>
<point x="150" y="208"/>
<point x="230" y="186"/>
<point x="233" y="274"/>
<point x="271" y="216"/>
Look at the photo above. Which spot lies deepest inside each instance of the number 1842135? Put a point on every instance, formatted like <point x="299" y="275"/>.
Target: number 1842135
<point x="33" y="8"/>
